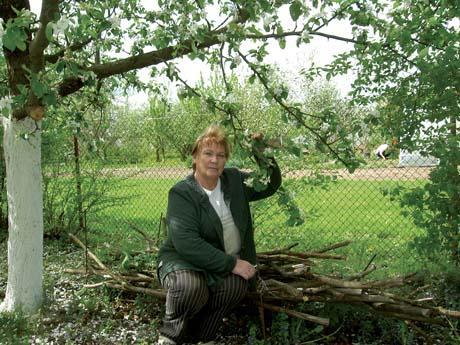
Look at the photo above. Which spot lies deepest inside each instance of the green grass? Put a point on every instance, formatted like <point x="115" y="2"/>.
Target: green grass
<point x="14" y="328"/>
<point x="143" y="202"/>
<point x="345" y="210"/>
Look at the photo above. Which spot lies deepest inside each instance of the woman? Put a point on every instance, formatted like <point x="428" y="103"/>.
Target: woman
<point x="209" y="254"/>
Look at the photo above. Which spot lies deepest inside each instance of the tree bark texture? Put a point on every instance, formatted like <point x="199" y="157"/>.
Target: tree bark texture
<point x="25" y="220"/>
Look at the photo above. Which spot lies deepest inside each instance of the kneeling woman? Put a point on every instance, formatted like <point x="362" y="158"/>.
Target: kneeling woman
<point x="209" y="254"/>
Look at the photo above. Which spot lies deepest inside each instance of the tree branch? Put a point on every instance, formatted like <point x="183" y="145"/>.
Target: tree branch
<point x="222" y="67"/>
<point x="292" y="111"/>
<point x="50" y="10"/>
<point x="315" y="319"/>
<point x="299" y="33"/>
<point x="231" y="115"/>
<point x="74" y="47"/>
<point x="71" y="85"/>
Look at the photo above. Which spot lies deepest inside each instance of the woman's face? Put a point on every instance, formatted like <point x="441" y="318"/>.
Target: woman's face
<point x="210" y="162"/>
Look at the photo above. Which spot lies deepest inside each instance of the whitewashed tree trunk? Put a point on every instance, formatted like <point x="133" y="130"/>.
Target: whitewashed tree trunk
<point x="25" y="215"/>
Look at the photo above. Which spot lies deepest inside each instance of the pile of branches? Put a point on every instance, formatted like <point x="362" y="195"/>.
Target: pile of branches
<point x="287" y="276"/>
<point x="285" y="279"/>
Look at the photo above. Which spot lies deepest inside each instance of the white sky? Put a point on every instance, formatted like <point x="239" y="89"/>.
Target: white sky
<point x="291" y="59"/>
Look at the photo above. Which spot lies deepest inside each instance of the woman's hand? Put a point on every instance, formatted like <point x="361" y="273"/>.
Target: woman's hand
<point x="260" y="144"/>
<point x="244" y="269"/>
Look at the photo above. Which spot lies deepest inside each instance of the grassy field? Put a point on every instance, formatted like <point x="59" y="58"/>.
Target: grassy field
<point x="343" y="210"/>
<point x="142" y="203"/>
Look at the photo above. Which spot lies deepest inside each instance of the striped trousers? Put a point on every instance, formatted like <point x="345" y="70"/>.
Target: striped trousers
<point x="193" y="310"/>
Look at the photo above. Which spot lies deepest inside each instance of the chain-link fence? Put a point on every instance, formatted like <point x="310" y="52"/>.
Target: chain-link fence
<point x="116" y="187"/>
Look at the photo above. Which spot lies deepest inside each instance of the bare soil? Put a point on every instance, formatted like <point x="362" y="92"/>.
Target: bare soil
<point x="384" y="173"/>
<point x="392" y="173"/>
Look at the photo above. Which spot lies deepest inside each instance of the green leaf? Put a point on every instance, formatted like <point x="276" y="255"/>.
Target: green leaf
<point x="318" y="329"/>
<point x="298" y="42"/>
<point x="50" y="99"/>
<point x="37" y="87"/>
<point x="9" y="40"/>
<point x="279" y="30"/>
<point x="21" y="45"/>
<point x="432" y="21"/>
<point x="49" y="31"/>
<point x="405" y="36"/>
<point x="295" y="10"/>
<point x="60" y="66"/>
<point x="282" y="43"/>
<point x="254" y="30"/>
<point x="423" y="53"/>
<point x="74" y="68"/>
<point x="15" y="37"/>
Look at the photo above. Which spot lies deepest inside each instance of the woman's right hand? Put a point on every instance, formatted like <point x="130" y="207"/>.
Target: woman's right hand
<point x="244" y="269"/>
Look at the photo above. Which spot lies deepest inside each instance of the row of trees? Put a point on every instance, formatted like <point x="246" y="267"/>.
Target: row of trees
<point x="406" y="57"/>
<point x="123" y="134"/>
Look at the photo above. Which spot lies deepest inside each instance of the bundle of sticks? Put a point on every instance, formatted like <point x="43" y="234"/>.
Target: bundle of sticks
<point x="287" y="276"/>
<point x="285" y="279"/>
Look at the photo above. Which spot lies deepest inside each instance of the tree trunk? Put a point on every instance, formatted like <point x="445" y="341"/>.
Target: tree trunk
<point x="25" y="218"/>
<point x="76" y="152"/>
<point x="3" y="199"/>
<point x="455" y="198"/>
<point x="158" y="154"/>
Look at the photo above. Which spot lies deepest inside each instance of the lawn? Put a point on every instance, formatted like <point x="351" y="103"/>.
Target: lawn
<point x="353" y="210"/>
<point x="342" y="210"/>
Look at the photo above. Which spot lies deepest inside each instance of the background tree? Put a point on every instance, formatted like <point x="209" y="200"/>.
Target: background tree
<point x="75" y="139"/>
<point x="189" y="117"/>
<point x="3" y="198"/>
<point x="408" y="58"/>
<point x="130" y="131"/>
<point x="158" y="112"/>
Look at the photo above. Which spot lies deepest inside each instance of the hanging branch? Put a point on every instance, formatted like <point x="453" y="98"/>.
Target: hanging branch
<point x="294" y="112"/>
<point x="222" y="67"/>
<point x="235" y="122"/>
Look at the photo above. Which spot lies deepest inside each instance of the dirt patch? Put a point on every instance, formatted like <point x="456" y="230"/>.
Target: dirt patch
<point x="157" y="173"/>
<point x="372" y="174"/>
<point x="384" y="173"/>
<point x="403" y="174"/>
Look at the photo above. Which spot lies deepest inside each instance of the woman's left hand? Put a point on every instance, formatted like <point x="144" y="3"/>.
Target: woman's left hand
<point x="244" y="269"/>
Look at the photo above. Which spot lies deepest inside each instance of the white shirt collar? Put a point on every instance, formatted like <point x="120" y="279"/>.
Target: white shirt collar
<point x="215" y="190"/>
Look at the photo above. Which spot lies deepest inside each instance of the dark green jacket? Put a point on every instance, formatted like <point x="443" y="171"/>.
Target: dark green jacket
<point x="195" y="236"/>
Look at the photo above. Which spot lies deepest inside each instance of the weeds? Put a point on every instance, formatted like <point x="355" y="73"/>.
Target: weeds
<point x="14" y="328"/>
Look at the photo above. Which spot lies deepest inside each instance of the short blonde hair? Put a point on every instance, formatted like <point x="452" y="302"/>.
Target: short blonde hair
<point x="214" y="134"/>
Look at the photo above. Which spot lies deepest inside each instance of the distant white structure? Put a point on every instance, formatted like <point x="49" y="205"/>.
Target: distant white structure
<point x="415" y="159"/>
